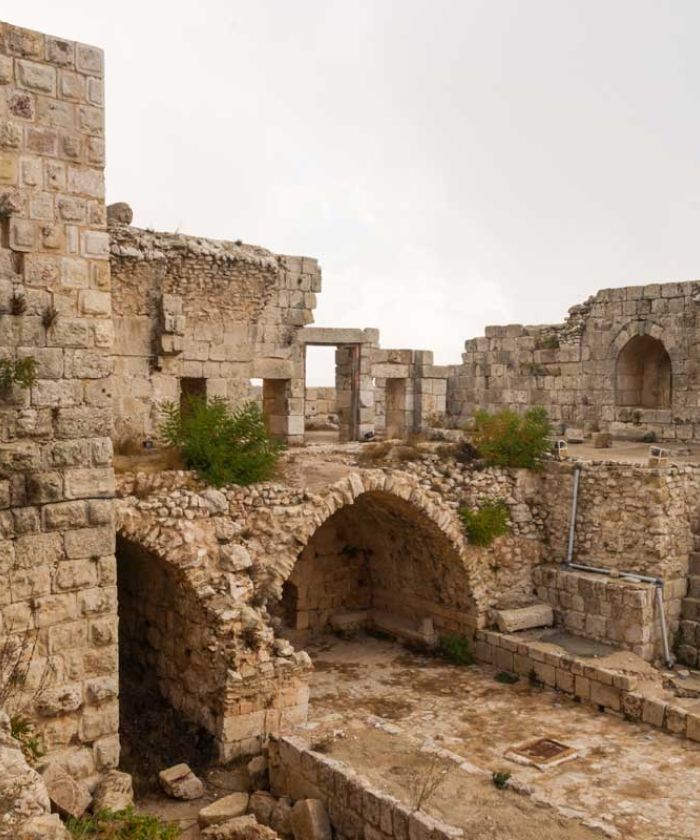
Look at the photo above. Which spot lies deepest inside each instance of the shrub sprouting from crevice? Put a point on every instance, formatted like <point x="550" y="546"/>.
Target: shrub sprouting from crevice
<point x="21" y="372"/>
<point x="223" y="445"/>
<point x="509" y="439"/>
<point x="484" y="525"/>
<point x="457" y="649"/>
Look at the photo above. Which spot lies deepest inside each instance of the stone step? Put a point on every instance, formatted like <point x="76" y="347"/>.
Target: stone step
<point x="693" y="586"/>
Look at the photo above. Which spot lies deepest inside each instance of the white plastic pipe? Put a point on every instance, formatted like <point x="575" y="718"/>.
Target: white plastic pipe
<point x="572" y="523"/>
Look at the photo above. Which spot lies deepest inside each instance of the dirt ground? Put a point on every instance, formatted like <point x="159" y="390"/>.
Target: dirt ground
<point x="391" y="706"/>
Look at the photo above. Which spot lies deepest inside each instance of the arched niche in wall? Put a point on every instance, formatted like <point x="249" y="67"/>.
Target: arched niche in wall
<point x="643" y="373"/>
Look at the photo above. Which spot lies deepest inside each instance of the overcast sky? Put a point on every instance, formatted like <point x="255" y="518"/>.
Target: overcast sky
<point x="451" y="164"/>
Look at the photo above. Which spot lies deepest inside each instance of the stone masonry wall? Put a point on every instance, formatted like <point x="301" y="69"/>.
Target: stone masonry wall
<point x="320" y="408"/>
<point x="572" y="368"/>
<point x="57" y="568"/>
<point x="187" y="308"/>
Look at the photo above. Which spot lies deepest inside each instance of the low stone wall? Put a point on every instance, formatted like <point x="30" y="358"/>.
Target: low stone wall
<point x="614" y="610"/>
<point x="610" y="690"/>
<point x="356" y="809"/>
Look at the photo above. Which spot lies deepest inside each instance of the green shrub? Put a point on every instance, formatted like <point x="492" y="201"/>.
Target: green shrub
<point x="224" y="445"/>
<point x="500" y="778"/>
<point x="457" y="649"/>
<point x="22" y="729"/>
<point x="508" y="439"/>
<point x="506" y="678"/>
<point x="121" y="825"/>
<point x="22" y="373"/>
<point x="483" y="525"/>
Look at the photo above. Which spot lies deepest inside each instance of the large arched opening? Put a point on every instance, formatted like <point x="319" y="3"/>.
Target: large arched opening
<point x="171" y="687"/>
<point x="380" y="561"/>
<point x="643" y="374"/>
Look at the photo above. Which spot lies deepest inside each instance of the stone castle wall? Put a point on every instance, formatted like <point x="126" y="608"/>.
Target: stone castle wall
<point x="580" y="373"/>
<point x="57" y="568"/>
<point x="196" y="313"/>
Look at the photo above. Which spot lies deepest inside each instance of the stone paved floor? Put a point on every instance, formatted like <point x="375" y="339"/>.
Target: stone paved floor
<point x="635" y="780"/>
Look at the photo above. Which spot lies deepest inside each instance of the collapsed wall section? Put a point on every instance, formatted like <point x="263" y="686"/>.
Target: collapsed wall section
<point x="58" y="645"/>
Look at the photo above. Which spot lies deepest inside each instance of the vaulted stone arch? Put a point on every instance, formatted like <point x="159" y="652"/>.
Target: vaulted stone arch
<point x="228" y="555"/>
<point x="381" y="543"/>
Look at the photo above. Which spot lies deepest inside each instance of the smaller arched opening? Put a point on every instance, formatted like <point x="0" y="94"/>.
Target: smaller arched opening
<point x="644" y="374"/>
<point x="379" y="562"/>
<point x="170" y="685"/>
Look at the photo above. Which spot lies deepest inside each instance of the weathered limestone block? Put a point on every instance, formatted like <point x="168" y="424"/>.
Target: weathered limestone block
<point x="47" y="827"/>
<point x="120" y="213"/>
<point x="180" y="782"/>
<point x="310" y="821"/>
<point x="114" y="791"/>
<point x="239" y="828"/>
<point x="525" y="618"/>
<point x="258" y="773"/>
<point x="262" y="804"/>
<point x="226" y="808"/>
<point x="68" y="796"/>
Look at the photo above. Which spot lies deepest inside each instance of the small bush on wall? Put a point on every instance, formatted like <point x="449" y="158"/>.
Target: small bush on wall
<point x="508" y="439"/>
<point x="483" y="525"/>
<point x="21" y="372"/>
<point x="224" y="445"/>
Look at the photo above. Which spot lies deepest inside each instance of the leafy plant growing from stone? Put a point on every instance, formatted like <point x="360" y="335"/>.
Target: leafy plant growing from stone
<point x="483" y="525"/>
<point x="509" y="439"/>
<point x="21" y="372"/>
<point x="22" y="730"/>
<point x="121" y="825"/>
<point x="456" y="649"/>
<point x="223" y="445"/>
<point x="500" y="778"/>
<point x="49" y="317"/>
<point x="18" y="304"/>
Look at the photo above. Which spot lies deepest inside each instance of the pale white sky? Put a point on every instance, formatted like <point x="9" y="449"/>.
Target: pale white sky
<point x="452" y="163"/>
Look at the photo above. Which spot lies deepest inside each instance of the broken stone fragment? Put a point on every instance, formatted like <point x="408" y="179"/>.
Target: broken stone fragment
<point x="234" y="558"/>
<point x="120" y="213"/>
<point x="68" y="796"/>
<point x="310" y="820"/>
<point x="233" y="805"/>
<point x="114" y="792"/>
<point x="524" y="618"/>
<point x="281" y="817"/>
<point x="180" y="782"/>
<point x="46" y="827"/>
<point x="257" y="773"/>
<point x="239" y="828"/>
<point x="262" y="803"/>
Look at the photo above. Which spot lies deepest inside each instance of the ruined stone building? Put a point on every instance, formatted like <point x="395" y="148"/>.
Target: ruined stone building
<point x="195" y="584"/>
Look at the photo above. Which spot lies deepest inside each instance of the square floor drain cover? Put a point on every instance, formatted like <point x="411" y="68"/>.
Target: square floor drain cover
<point x="542" y="753"/>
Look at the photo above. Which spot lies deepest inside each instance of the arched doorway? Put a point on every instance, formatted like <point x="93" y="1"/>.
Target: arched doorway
<point x="385" y="562"/>
<point x="170" y="689"/>
<point x="643" y="374"/>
